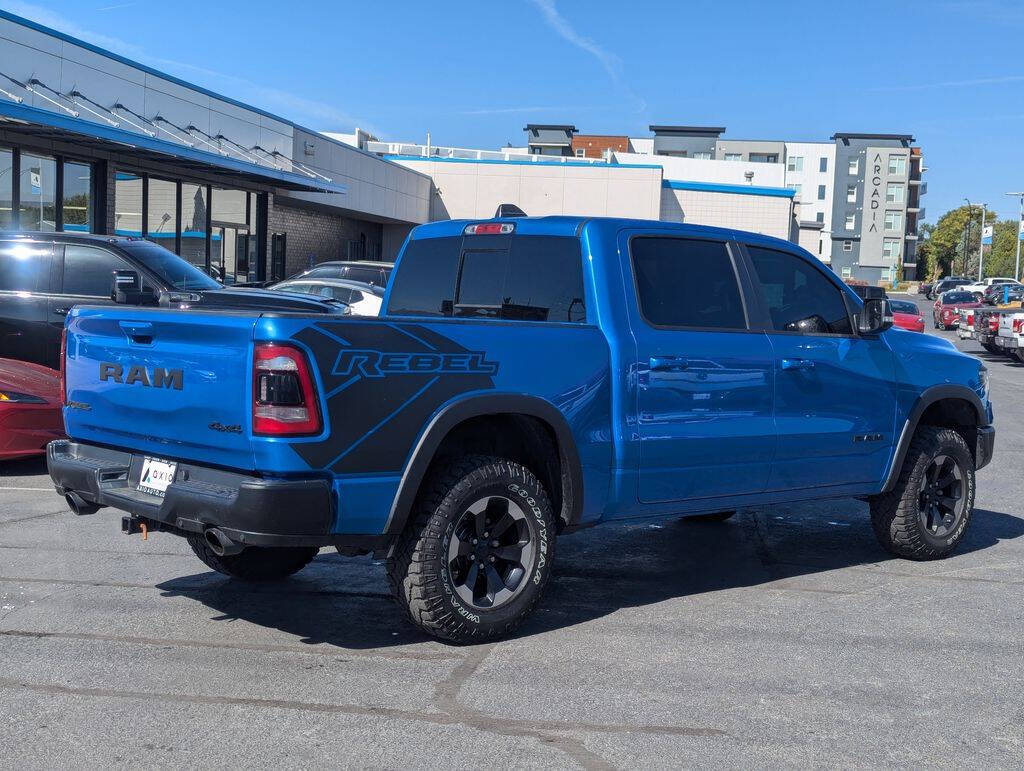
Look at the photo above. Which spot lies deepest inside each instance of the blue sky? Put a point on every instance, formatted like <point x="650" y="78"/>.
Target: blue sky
<point x="474" y="73"/>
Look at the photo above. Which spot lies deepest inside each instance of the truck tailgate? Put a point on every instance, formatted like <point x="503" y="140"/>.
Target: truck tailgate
<point x="167" y="383"/>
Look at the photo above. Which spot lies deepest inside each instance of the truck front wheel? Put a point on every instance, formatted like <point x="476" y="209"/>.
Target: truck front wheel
<point x="254" y="563"/>
<point x="926" y="514"/>
<point x="477" y="551"/>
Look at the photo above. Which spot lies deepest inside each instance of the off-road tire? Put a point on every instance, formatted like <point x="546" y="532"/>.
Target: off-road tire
<point x="1018" y="354"/>
<point x="715" y="516"/>
<point x="254" y="563"/>
<point x="895" y="515"/>
<point x="418" y="569"/>
<point x="992" y="348"/>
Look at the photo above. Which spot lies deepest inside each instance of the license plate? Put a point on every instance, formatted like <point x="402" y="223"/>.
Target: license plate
<point x="156" y="475"/>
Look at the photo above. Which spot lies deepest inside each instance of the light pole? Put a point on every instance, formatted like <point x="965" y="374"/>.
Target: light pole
<point x="981" y="242"/>
<point x="1016" y="270"/>
<point x="967" y="232"/>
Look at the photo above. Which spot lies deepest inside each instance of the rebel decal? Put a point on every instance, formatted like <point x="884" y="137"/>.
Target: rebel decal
<point x="382" y="383"/>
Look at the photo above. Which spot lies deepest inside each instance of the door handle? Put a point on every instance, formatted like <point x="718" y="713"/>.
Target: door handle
<point x="62" y="311"/>
<point x="668" y="364"/>
<point x="797" y="364"/>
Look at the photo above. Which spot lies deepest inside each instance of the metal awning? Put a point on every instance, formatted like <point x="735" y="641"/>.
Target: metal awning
<point x="34" y="122"/>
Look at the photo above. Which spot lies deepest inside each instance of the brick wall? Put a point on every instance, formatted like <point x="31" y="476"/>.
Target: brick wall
<point x="316" y="235"/>
<point x="594" y="145"/>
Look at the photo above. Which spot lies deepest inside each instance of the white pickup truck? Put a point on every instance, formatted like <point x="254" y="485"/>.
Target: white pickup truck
<point x="979" y="287"/>
<point x="1011" y="334"/>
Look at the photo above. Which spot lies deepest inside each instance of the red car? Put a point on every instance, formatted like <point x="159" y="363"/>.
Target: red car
<point x="30" y="414"/>
<point x="946" y="311"/>
<point x="906" y="315"/>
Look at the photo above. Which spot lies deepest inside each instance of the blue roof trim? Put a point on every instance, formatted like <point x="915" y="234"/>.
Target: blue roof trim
<point x="714" y="187"/>
<point x="100" y="131"/>
<point x="435" y="159"/>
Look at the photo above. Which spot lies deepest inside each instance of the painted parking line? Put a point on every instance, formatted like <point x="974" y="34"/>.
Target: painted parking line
<point x="29" y="489"/>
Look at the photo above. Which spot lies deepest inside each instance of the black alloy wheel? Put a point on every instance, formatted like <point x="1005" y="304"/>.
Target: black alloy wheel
<point x="941" y="501"/>
<point x="491" y="552"/>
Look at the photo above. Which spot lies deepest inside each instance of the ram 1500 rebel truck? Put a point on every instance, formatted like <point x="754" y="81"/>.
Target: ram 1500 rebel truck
<point x="529" y="377"/>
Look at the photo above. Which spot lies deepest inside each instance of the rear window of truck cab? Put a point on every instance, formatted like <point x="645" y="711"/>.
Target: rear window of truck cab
<point x="507" y="277"/>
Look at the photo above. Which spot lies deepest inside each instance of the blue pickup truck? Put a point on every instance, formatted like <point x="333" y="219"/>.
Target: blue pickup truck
<point x="529" y="377"/>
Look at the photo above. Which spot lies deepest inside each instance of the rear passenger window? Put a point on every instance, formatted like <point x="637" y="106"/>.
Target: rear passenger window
<point x="684" y="282"/>
<point x="798" y="296"/>
<point x="23" y="266"/>
<point x="88" y="271"/>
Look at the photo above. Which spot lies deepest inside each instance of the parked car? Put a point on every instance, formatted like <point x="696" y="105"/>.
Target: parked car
<point x="362" y="299"/>
<point x="44" y="275"/>
<point x="1006" y="292"/>
<point x="1010" y="337"/>
<point x="530" y="377"/>
<point x="925" y="287"/>
<point x="979" y="287"/>
<point x="946" y="310"/>
<point x="364" y="271"/>
<point x="945" y="284"/>
<point x="30" y="415"/>
<point x="906" y="315"/>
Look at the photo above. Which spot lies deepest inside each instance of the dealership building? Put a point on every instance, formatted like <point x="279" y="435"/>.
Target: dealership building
<point x="91" y="141"/>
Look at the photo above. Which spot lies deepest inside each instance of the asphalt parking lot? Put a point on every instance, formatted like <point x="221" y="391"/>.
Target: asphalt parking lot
<point x="784" y="637"/>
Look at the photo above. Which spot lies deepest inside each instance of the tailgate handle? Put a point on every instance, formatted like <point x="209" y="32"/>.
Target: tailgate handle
<point x="138" y="331"/>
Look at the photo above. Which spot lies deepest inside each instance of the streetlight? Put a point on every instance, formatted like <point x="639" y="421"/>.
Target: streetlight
<point x="1016" y="270"/>
<point x="967" y="232"/>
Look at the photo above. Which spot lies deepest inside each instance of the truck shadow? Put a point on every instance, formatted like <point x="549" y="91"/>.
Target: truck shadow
<point x="341" y="602"/>
<point x="23" y="467"/>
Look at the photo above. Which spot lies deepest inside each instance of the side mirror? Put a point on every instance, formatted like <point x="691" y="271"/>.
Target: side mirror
<point x="875" y="317"/>
<point x="126" y="289"/>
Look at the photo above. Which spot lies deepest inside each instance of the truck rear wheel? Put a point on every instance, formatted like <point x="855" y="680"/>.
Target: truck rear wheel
<point x="926" y="514"/>
<point x="476" y="553"/>
<point x="254" y="563"/>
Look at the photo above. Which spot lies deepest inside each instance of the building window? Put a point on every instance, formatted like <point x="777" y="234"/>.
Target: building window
<point x="76" y="200"/>
<point x="819" y="217"/>
<point x="162" y="213"/>
<point x="127" y="204"/>
<point x="228" y="253"/>
<point x="891" y="247"/>
<point x="823" y="165"/>
<point x="764" y="157"/>
<point x="821" y="192"/>
<point x="193" y="223"/>
<point x="893" y="221"/>
<point x="734" y="156"/>
<point x="894" y="193"/>
<point x="6" y="189"/>
<point x="851" y="194"/>
<point x="795" y="163"/>
<point x="37" y="208"/>
<point x="897" y="165"/>
<point x="797" y="187"/>
<point x="851" y="221"/>
<point x="854" y="167"/>
<point x="702" y="156"/>
<point x="847" y="246"/>
<point x="580" y="152"/>
<point x="847" y="272"/>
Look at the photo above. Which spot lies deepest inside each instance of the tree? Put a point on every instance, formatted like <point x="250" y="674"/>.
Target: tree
<point x="1000" y="259"/>
<point x="947" y="251"/>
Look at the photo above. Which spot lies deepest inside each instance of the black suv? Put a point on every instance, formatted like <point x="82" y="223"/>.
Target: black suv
<point x="42" y="275"/>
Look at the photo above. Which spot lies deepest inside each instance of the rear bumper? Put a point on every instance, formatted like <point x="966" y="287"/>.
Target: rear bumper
<point x="1007" y="342"/>
<point x="986" y="446"/>
<point x="249" y="509"/>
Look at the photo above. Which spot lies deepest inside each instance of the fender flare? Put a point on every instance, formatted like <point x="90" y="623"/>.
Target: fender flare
<point x="476" y="406"/>
<point x="929" y="397"/>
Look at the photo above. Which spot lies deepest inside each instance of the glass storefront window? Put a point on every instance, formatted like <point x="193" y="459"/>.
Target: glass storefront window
<point x="6" y="189"/>
<point x="38" y="187"/>
<point x="77" y="201"/>
<point x="162" y="213"/>
<point x="193" y="223"/>
<point x="228" y="246"/>
<point x="127" y="204"/>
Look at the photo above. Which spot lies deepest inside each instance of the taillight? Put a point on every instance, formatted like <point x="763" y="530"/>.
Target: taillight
<point x="63" y="366"/>
<point x="993" y="323"/>
<point x="970" y="318"/>
<point x="284" y="400"/>
<point x="1018" y="326"/>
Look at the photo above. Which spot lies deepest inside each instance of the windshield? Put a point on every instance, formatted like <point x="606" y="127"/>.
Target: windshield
<point x="903" y="306"/>
<point x="951" y="298"/>
<point x="364" y="273"/>
<point x="174" y="271"/>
